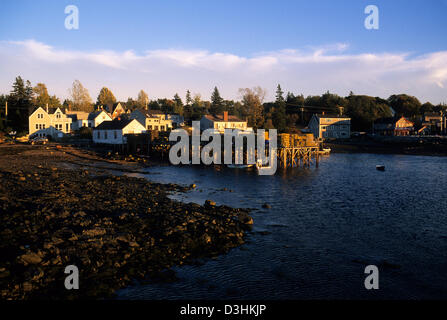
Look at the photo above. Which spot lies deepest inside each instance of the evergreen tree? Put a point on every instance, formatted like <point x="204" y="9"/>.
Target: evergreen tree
<point x="20" y="104"/>
<point x="178" y="108"/>
<point x="188" y="98"/>
<point x="217" y="105"/>
<point x="279" y="113"/>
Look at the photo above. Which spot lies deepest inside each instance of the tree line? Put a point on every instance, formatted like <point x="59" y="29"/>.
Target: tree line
<point x="287" y="113"/>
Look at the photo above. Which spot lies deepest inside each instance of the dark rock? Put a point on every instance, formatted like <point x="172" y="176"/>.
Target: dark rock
<point x="210" y="203"/>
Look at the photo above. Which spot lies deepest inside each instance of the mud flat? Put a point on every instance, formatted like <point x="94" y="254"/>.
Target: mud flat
<point x="115" y="229"/>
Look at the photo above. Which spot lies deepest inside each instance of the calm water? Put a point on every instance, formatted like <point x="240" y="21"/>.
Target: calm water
<point x="325" y="225"/>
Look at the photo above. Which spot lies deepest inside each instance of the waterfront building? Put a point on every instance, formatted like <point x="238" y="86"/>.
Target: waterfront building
<point x="222" y="122"/>
<point x="113" y="132"/>
<point x="152" y="119"/>
<point x="330" y="126"/>
<point x="51" y="122"/>
<point x="395" y="126"/>
<point x="435" y="121"/>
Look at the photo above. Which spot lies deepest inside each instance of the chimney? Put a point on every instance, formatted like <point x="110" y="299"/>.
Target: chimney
<point x="225" y="116"/>
<point x="323" y="113"/>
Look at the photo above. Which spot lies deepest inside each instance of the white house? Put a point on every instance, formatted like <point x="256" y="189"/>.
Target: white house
<point x="79" y="119"/>
<point x="44" y="122"/>
<point x="113" y="132"/>
<point x="330" y="126"/>
<point x="222" y="122"/>
<point x="98" y="117"/>
<point x="152" y="120"/>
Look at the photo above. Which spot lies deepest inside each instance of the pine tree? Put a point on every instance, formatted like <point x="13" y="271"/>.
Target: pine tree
<point x="178" y="108"/>
<point x="217" y="106"/>
<point x="279" y="114"/>
<point x="188" y="98"/>
<point x="20" y="104"/>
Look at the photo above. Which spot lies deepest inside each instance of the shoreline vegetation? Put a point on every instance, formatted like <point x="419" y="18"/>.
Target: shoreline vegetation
<point x="62" y="206"/>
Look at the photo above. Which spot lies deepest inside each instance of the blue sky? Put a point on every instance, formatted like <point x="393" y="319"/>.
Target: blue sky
<point x="413" y="30"/>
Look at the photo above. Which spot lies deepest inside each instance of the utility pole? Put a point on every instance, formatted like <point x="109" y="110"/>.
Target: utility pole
<point x="442" y="122"/>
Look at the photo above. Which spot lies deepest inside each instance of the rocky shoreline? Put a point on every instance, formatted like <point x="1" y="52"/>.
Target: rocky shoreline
<point x="115" y="229"/>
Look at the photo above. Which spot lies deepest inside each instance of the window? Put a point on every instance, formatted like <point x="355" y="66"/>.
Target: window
<point x="99" y="135"/>
<point x="66" y="127"/>
<point x="149" y="127"/>
<point x="37" y="126"/>
<point x="115" y="135"/>
<point x="105" y="134"/>
<point x="162" y="128"/>
<point x="43" y="126"/>
<point x="89" y="124"/>
<point x="156" y="127"/>
<point x="58" y="115"/>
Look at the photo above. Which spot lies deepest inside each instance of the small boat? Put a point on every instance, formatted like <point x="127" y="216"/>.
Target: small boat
<point x="239" y="166"/>
<point x="325" y="151"/>
<point x="380" y="167"/>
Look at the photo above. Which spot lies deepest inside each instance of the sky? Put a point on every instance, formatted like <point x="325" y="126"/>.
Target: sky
<point x="167" y="47"/>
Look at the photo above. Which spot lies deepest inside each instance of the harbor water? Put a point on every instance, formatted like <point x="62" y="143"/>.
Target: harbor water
<point x="325" y="225"/>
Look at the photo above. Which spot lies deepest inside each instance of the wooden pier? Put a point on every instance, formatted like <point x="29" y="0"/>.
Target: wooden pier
<point x="290" y="157"/>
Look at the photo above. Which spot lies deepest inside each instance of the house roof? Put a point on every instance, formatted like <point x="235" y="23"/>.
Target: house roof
<point x="50" y="110"/>
<point x="115" y="105"/>
<point x="149" y="113"/>
<point x="93" y="115"/>
<point x="78" y="115"/>
<point x="114" y="124"/>
<point x="220" y="118"/>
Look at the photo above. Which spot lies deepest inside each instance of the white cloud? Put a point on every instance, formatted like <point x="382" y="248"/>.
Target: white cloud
<point x="162" y="73"/>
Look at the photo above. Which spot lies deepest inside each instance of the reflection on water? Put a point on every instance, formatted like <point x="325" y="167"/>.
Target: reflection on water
<point x="325" y="225"/>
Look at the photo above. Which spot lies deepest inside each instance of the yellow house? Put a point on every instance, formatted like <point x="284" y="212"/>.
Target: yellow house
<point x="222" y="122"/>
<point x="152" y="120"/>
<point x="45" y="122"/>
<point x="330" y="126"/>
